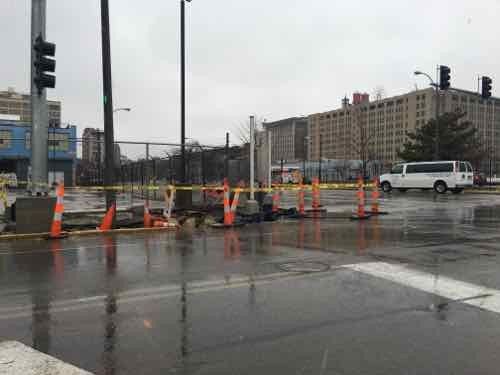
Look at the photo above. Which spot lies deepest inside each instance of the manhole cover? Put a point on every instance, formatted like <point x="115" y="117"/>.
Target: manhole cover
<point x="304" y="267"/>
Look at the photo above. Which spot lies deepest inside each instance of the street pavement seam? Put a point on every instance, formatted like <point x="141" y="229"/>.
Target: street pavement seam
<point x="445" y="287"/>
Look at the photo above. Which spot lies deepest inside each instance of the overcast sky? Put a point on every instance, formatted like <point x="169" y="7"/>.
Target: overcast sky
<point x="272" y="58"/>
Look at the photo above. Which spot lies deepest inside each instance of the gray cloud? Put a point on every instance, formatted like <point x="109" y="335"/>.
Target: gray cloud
<point x="273" y="58"/>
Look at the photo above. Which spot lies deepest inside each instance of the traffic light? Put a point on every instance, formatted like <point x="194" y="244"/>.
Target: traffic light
<point x="43" y="64"/>
<point x="444" y="77"/>
<point x="486" y="87"/>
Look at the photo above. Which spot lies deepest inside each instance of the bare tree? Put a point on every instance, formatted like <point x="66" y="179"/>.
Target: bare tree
<point x="242" y="130"/>
<point x="379" y="92"/>
<point x="363" y="143"/>
<point x="343" y="168"/>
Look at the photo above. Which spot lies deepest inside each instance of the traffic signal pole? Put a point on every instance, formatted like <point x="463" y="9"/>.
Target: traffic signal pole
<point x="40" y="115"/>
<point x="436" y="149"/>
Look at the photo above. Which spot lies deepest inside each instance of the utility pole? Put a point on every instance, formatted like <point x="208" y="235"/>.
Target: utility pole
<point x="320" y="156"/>
<point x="40" y="115"/>
<point x="182" y="177"/>
<point x="147" y="174"/>
<point x="109" y="154"/>
<point x="281" y="170"/>
<point x="269" y="161"/>
<point x="436" y="149"/>
<point x="226" y="157"/>
<point x="252" y="157"/>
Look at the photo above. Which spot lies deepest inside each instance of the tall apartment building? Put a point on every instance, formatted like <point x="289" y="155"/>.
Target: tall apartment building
<point x="17" y="107"/>
<point x="93" y="145"/>
<point x="378" y="128"/>
<point x="287" y="138"/>
<point x="93" y="149"/>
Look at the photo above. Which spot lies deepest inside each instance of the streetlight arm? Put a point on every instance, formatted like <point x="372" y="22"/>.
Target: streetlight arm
<point x="122" y="109"/>
<point x="418" y="73"/>
<point x="436" y="86"/>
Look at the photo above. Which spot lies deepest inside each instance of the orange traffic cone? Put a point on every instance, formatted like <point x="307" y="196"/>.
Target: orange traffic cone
<point x="107" y="222"/>
<point x="56" y="228"/>
<point x="361" y="214"/>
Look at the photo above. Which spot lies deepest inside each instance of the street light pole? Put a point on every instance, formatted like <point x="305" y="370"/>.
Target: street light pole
<point x="40" y="115"/>
<point x="306" y="142"/>
<point x="436" y="86"/>
<point x="182" y="176"/>
<point x="320" y="156"/>
<point x="252" y="157"/>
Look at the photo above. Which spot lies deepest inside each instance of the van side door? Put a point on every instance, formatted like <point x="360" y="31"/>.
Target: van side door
<point x="396" y="176"/>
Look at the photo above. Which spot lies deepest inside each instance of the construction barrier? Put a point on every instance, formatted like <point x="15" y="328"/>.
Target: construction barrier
<point x="56" y="228"/>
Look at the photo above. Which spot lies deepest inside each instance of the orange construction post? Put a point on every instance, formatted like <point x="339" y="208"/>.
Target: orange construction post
<point x="234" y="204"/>
<point x="56" y="228"/>
<point x="301" y="203"/>
<point x="148" y="220"/>
<point x="228" y="219"/>
<point x="361" y="199"/>
<point x="276" y="201"/>
<point x="315" y="194"/>
<point x="107" y="222"/>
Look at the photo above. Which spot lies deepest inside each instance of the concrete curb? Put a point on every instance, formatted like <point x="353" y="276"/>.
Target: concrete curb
<point x="88" y="233"/>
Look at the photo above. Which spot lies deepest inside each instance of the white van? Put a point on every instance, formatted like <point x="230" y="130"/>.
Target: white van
<point x="438" y="175"/>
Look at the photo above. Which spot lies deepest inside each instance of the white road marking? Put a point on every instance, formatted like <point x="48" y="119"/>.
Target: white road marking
<point x="435" y="284"/>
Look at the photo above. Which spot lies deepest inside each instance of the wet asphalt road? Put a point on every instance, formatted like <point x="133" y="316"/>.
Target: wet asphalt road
<point x="236" y="302"/>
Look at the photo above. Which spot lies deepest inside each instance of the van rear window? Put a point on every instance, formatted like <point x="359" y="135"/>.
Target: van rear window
<point x="429" y="168"/>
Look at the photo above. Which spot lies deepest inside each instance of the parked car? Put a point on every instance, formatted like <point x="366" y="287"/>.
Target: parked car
<point x="438" y="175"/>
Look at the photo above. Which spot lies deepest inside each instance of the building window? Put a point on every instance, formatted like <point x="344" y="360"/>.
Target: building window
<point x="5" y="139"/>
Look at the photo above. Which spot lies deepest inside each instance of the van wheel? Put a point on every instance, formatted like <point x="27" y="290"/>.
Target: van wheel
<point x="440" y="187"/>
<point x="386" y="187"/>
<point x="457" y="190"/>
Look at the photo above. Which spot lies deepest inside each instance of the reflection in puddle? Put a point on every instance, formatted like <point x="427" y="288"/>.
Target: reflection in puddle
<point x="232" y="248"/>
<point x="111" y="308"/>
